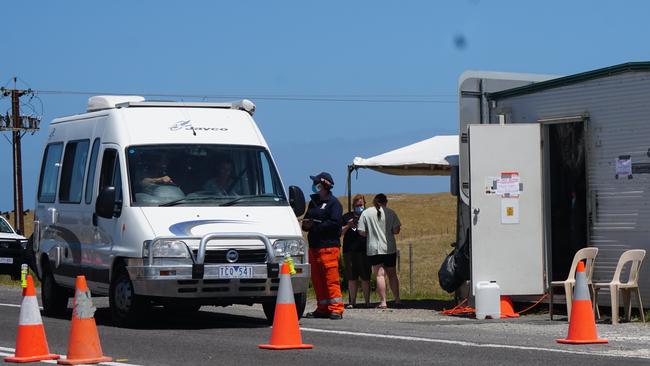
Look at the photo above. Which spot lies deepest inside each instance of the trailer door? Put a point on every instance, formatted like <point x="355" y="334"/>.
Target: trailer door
<point x="506" y="206"/>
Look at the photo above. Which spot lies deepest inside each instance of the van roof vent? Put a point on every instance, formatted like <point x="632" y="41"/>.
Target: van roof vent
<point x="100" y="102"/>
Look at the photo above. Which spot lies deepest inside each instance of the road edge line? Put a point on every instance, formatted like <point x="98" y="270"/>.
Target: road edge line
<point x="469" y="344"/>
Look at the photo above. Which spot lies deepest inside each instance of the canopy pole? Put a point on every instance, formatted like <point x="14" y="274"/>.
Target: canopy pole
<point x="349" y="187"/>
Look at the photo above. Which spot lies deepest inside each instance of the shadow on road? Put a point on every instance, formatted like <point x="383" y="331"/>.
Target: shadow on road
<point x="158" y="318"/>
<point x="437" y="305"/>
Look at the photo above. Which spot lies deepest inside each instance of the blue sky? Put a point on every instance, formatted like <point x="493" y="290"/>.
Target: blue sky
<point x="405" y="50"/>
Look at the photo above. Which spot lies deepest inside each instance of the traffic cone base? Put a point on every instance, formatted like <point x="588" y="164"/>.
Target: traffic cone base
<point x="84" y="361"/>
<point x="31" y="343"/>
<point x="83" y="346"/>
<point x="577" y="341"/>
<point x="283" y="347"/>
<point x="286" y="330"/>
<point x="32" y="358"/>
<point x="507" y="310"/>
<point x="582" y="326"/>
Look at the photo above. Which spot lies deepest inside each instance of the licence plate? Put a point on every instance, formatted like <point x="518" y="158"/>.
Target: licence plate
<point x="6" y="260"/>
<point x="236" y="271"/>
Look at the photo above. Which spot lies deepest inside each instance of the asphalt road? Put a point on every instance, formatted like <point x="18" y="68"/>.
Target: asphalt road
<point x="230" y="336"/>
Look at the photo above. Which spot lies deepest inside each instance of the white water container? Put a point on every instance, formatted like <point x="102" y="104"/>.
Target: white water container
<point x="488" y="300"/>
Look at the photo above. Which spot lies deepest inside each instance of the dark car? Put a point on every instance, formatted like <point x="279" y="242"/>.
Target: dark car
<point x="13" y="248"/>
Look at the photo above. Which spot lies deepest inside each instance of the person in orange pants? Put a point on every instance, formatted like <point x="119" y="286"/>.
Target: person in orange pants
<point x="323" y="222"/>
<point x="325" y="279"/>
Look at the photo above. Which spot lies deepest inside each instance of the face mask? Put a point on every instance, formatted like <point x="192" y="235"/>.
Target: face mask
<point x="358" y="209"/>
<point x="314" y="188"/>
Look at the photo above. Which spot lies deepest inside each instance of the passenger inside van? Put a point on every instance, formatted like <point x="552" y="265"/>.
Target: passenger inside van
<point x="224" y="182"/>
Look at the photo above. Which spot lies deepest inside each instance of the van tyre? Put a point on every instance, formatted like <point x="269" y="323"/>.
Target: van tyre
<point x="301" y="303"/>
<point x="126" y="307"/>
<point x="53" y="296"/>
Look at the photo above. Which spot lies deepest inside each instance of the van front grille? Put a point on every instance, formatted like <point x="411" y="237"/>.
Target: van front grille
<point x="245" y="256"/>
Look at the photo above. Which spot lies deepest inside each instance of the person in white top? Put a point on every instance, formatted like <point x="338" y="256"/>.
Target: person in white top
<point x="380" y="224"/>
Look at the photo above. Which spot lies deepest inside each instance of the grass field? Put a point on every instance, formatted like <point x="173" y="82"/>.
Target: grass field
<point x="428" y="226"/>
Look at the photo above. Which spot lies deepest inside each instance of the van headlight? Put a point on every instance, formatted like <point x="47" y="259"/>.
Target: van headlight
<point x="293" y="247"/>
<point x="23" y="243"/>
<point x="169" y="248"/>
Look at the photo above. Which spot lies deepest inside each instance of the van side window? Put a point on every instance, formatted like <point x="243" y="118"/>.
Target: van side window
<point x="49" y="173"/>
<point x="266" y="181"/>
<point x="110" y="175"/>
<point x="90" y="180"/>
<point x="72" y="172"/>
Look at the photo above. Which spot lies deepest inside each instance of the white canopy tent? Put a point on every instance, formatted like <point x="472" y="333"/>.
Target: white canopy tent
<point x="433" y="156"/>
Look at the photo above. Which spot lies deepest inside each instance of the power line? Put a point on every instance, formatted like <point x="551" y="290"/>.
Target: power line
<point x="17" y="124"/>
<point x="359" y="98"/>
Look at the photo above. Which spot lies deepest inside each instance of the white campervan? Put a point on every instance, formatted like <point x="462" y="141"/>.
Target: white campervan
<point x="164" y="203"/>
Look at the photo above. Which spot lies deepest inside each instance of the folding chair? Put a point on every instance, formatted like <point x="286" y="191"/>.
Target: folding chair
<point x="589" y="256"/>
<point x="635" y="256"/>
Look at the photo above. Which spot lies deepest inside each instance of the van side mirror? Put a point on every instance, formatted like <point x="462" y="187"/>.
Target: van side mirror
<point x="297" y="200"/>
<point x="105" y="205"/>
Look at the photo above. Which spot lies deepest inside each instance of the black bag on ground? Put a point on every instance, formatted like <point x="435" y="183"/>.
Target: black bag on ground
<point x="447" y="274"/>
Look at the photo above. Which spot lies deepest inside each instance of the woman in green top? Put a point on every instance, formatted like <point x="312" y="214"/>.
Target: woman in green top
<point x="380" y="224"/>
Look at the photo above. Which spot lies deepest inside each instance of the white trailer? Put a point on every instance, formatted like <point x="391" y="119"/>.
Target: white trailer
<point x="553" y="166"/>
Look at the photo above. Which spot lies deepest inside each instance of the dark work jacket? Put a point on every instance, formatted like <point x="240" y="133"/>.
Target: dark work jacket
<point x="352" y="241"/>
<point x="326" y="230"/>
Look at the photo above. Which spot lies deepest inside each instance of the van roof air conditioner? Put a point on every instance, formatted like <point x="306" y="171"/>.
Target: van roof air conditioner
<point x="100" y="102"/>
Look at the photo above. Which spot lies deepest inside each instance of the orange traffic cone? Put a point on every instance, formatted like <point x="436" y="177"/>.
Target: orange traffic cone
<point x="582" y="324"/>
<point x="507" y="310"/>
<point x="286" y="331"/>
<point x="84" y="346"/>
<point x="31" y="344"/>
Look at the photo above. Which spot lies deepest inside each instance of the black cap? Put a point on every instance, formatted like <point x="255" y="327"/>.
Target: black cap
<point x="323" y="177"/>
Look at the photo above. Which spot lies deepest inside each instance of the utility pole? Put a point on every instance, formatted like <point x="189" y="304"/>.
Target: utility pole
<point x="17" y="124"/>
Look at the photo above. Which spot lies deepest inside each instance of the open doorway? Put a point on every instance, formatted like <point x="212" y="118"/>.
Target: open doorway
<point x="568" y="195"/>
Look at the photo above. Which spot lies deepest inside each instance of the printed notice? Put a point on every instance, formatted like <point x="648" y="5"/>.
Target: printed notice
<point x="509" y="185"/>
<point x="624" y="166"/>
<point x="509" y="210"/>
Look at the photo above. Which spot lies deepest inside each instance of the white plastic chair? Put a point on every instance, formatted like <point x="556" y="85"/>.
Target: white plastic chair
<point x="589" y="256"/>
<point x="635" y="256"/>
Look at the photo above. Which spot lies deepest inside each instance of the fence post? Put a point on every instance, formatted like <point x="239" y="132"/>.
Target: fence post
<point x="410" y="268"/>
<point x="399" y="261"/>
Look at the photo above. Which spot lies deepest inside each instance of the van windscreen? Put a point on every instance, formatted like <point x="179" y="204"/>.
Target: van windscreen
<point x="199" y="175"/>
<point x="4" y="227"/>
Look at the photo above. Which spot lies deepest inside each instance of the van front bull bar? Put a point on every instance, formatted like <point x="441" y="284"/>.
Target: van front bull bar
<point x="198" y="267"/>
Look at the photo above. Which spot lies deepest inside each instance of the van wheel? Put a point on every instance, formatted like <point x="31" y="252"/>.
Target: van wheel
<point x="126" y="307"/>
<point x="300" y="300"/>
<point x="53" y="296"/>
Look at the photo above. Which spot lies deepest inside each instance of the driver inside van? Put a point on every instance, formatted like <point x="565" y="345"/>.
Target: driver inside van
<point x="155" y="171"/>
<point x="155" y="183"/>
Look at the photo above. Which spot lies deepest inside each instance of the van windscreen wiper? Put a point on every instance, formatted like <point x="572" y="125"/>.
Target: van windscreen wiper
<point x="244" y="198"/>
<point x="185" y="199"/>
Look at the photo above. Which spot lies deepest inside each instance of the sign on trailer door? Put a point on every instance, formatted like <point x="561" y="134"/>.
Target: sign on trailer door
<point x="506" y="207"/>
